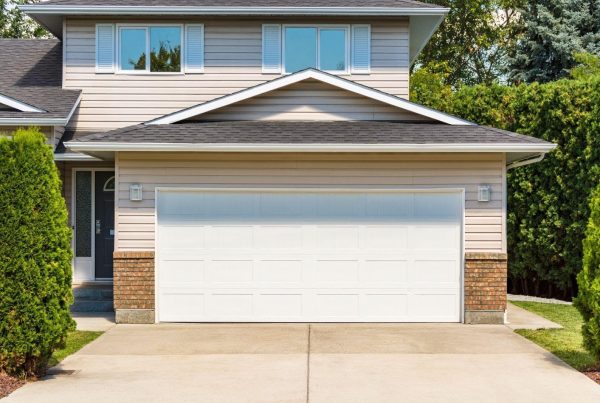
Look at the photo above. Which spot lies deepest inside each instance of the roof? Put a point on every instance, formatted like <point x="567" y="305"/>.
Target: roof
<point x="245" y="3"/>
<point x="295" y="136"/>
<point x="424" y="17"/>
<point x="304" y="75"/>
<point x="32" y="77"/>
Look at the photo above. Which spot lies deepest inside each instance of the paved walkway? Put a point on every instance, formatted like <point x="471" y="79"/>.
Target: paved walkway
<point x="316" y="363"/>
<point x="94" y="321"/>
<point x="519" y="318"/>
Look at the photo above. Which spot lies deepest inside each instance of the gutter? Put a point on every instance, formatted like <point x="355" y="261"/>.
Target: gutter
<point x="138" y="10"/>
<point x="80" y="146"/>
<point x="525" y="161"/>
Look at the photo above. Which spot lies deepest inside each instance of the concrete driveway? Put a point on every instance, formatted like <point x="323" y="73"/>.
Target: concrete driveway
<point x="319" y="363"/>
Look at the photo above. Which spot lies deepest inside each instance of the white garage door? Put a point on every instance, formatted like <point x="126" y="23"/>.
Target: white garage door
<point x="309" y="256"/>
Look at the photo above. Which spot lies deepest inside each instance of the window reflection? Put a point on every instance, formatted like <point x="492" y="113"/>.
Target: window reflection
<point x="165" y="49"/>
<point x="332" y="49"/>
<point x="300" y="48"/>
<point x="133" y="49"/>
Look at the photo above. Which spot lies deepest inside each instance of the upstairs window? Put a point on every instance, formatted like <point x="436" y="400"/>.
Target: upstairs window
<point x="324" y="48"/>
<point x="161" y="43"/>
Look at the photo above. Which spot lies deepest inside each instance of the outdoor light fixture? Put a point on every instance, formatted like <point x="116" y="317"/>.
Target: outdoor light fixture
<point x="135" y="192"/>
<point x="484" y="193"/>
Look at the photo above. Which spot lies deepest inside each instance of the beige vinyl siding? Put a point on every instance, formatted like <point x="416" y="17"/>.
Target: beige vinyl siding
<point x="310" y="100"/>
<point x="232" y="62"/>
<point x="484" y="222"/>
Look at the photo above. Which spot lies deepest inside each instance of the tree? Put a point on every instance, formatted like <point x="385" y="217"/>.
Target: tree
<point x="14" y="24"/>
<point x="35" y="255"/>
<point x="588" y="300"/>
<point x="554" y="31"/>
<point x="474" y="40"/>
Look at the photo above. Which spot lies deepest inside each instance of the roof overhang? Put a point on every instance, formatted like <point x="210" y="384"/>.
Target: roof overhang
<point x="294" y="78"/>
<point x="424" y="21"/>
<point x="516" y="152"/>
<point x="18" y="105"/>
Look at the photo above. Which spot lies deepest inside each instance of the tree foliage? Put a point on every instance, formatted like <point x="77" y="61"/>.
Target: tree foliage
<point x="554" y="31"/>
<point x="35" y="255"/>
<point x="588" y="300"/>
<point x="474" y="41"/>
<point x="14" y="24"/>
<point x="548" y="203"/>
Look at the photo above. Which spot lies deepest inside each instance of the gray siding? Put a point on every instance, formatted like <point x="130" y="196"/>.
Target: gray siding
<point x="233" y="62"/>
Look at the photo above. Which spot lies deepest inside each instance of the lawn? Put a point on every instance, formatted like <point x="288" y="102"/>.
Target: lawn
<point x="566" y="343"/>
<point x="75" y="341"/>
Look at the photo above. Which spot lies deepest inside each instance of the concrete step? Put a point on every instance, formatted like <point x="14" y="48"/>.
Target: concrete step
<point x="92" y="306"/>
<point x="93" y="298"/>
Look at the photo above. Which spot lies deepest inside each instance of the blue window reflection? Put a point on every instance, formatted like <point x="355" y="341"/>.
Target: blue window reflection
<point x="165" y="49"/>
<point x="332" y="49"/>
<point x="133" y="49"/>
<point x="300" y="48"/>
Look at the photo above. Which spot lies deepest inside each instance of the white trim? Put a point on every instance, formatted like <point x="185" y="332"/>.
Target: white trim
<point x="319" y="28"/>
<point x="42" y="9"/>
<point x="301" y="76"/>
<point x="271" y="147"/>
<point x="146" y="28"/>
<point x="74" y="157"/>
<point x="324" y="188"/>
<point x="105" y="189"/>
<point x="20" y="106"/>
<point x="526" y="161"/>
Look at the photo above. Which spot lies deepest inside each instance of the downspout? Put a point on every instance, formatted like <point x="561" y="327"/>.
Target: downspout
<point x="525" y="161"/>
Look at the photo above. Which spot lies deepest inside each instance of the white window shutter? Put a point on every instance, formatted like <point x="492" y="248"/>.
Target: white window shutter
<point x="194" y="48"/>
<point x="105" y="48"/>
<point x="361" y="49"/>
<point x="271" y="48"/>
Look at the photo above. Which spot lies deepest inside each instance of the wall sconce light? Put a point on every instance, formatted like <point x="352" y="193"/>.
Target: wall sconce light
<point x="484" y="193"/>
<point x="135" y="192"/>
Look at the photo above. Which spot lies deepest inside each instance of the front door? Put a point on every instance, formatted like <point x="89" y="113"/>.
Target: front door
<point x="104" y="227"/>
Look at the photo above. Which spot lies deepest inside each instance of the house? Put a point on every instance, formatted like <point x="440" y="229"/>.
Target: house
<point x="259" y="161"/>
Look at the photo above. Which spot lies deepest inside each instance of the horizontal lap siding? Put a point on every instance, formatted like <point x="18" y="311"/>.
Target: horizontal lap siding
<point x="233" y="62"/>
<point x="484" y="222"/>
<point x="310" y="100"/>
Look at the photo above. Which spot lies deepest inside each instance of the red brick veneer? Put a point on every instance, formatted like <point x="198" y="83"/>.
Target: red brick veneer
<point x="133" y="280"/>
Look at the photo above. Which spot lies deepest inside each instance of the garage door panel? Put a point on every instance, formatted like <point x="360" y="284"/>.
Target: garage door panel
<point x="309" y="256"/>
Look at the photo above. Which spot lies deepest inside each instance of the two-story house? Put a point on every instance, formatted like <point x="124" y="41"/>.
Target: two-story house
<point x="259" y="161"/>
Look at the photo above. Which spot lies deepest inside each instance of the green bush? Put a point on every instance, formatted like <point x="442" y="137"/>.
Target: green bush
<point x="588" y="300"/>
<point x="35" y="255"/>
<point x="548" y="202"/>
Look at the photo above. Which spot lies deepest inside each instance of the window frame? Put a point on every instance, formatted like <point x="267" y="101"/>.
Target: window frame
<point x="147" y="27"/>
<point x="319" y="27"/>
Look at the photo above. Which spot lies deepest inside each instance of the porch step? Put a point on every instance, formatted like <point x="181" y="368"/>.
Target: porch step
<point x="93" y="298"/>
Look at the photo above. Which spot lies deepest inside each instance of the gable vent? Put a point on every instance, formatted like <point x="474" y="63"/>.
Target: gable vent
<point x="271" y="43"/>
<point x="105" y="48"/>
<point x="361" y="49"/>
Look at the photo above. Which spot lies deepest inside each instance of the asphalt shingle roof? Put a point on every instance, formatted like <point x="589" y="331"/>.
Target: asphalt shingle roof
<point x="328" y="132"/>
<point x="31" y="72"/>
<point x="245" y="3"/>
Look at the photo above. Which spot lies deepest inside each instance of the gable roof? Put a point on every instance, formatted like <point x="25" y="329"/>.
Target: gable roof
<point x="309" y="74"/>
<point x="31" y="83"/>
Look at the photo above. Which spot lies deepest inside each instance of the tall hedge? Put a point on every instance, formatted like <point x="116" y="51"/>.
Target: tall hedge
<point x="588" y="300"/>
<point x="35" y="255"/>
<point x="548" y="202"/>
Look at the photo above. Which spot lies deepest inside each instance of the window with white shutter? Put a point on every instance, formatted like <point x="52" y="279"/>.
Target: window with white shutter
<point x="105" y="48"/>
<point x="361" y="49"/>
<point x="194" y="48"/>
<point x="271" y="47"/>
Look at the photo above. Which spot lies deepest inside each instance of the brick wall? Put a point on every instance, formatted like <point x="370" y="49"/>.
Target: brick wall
<point x="133" y="285"/>
<point x="485" y="287"/>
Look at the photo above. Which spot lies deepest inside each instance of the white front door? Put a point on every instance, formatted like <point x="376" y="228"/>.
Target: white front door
<point x="309" y="256"/>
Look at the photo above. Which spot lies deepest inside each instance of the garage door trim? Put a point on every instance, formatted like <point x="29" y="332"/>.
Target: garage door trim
<point x="461" y="191"/>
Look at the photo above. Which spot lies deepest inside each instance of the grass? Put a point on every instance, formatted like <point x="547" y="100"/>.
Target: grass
<point x="566" y="343"/>
<point x="75" y="341"/>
